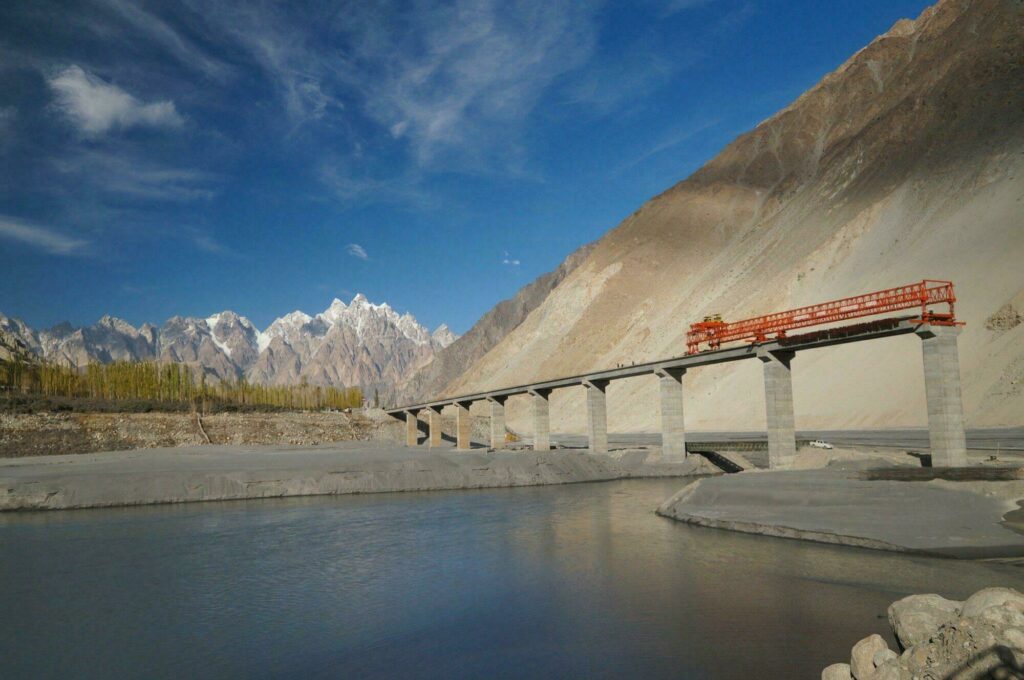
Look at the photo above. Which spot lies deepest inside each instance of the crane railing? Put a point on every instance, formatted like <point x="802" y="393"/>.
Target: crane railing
<point x="714" y="331"/>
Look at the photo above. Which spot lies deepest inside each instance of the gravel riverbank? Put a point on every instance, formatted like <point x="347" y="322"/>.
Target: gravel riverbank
<point x="838" y="505"/>
<point x="216" y="473"/>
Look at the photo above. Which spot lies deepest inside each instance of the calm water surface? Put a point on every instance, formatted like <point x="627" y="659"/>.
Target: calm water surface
<point x="573" y="581"/>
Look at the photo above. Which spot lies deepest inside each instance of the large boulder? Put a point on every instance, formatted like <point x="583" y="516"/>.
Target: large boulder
<point x="916" y="618"/>
<point x="862" y="658"/>
<point x="991" y="597"/>
<point x="837" y="671"/>
<point x="982" y="637"/>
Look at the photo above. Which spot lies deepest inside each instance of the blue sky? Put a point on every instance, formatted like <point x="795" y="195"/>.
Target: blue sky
<point x="191" y="157"/>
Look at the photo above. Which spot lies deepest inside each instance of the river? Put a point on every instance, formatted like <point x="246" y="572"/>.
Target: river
<point x="581" y="580"/>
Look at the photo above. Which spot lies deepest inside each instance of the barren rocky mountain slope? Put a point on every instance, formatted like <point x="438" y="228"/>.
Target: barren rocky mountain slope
<point x="903" y="164"/>
<point x="450" y="362"/>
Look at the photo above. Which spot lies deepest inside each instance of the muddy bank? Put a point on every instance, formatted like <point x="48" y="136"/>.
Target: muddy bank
<point x="216" y="473"/>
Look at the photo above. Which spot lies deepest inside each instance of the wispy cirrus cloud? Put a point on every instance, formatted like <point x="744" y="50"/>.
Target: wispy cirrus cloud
<point x="510" y="261"/>
<point x="125" y="175"/>
<point x="95" y="106"/>
<point x="39" y="237"/>
<point x="462" y="76"/>
<point x="138" y="20"/>
<point x="443" y="79"/>
<point x="357" y="251"/>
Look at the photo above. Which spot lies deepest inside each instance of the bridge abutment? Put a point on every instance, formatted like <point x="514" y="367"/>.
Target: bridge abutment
<point x="778" y="398"/>
<point x="673" y="430"/>
<point x="541" y="420"/>
<point x="942" y="392"/>
<point x="597" y="415"/>
<point x="497" y="422"/>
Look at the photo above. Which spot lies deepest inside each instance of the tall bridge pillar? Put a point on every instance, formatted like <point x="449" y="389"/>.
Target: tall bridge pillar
<point x="497" y="422"/>
<point x="942" y="391"/>
<point x="412" y="431"/>
<point x="778" y="401"/>
<point x="673" y="430"/>
<point x="541" y="420"/>
<point x="463" y="425"/>
<point x="434" y="421"/>
<point x="597" y="415"/>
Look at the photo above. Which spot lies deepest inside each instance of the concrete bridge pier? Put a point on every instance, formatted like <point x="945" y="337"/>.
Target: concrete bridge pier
<point x="597" y="415"/>
<point x="497" y="422"/>
<point x="434" y="421"/>
<point x="942" y="391"/>
<point x="541" y="419"/>
<point x="412" y="429"/>
<point x="778" y="401"/>
<point x="463" y="425"/>
<point x="673" y="430"/>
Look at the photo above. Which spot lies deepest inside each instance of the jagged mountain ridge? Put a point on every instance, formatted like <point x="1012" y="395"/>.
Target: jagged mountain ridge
<point x="907" y="162"/>
<point x="358" y="344"/>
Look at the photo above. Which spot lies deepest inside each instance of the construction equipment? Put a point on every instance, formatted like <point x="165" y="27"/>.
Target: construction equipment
<point x="714" y="331"/>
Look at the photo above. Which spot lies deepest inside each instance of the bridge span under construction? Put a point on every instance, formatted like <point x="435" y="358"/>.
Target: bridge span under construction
<point x="766" y="338"/>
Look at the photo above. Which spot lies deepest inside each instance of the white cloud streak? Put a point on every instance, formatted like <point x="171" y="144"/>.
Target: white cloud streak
<point x="444" y="79"/>
<point x="134" y="178"/>
<point x="457" y="76"/>
<point x="95" y="106"/>
<point x="356" y="250"/>
<point x="161" y="33"/>
<point x="38" y="237"/>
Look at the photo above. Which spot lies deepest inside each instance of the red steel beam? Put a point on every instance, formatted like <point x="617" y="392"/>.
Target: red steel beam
<point x="759" y="329"/>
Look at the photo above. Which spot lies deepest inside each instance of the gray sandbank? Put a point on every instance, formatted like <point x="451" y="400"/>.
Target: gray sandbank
<point x="217" y="473"/>
<point x="837" y="505"/>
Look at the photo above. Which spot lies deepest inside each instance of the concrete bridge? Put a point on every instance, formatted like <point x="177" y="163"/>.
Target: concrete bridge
<point x="941" y="372"/>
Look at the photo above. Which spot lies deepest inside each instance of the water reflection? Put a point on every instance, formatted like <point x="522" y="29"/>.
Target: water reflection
<point x="579" y="580"/>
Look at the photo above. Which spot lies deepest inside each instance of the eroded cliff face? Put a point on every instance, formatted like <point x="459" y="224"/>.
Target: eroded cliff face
<point x="903" y="164"/>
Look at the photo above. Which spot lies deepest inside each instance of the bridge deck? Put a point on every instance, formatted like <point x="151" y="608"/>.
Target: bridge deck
<point x="882" y="328"/>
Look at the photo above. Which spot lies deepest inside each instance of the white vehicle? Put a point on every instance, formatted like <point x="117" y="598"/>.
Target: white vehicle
<point x="818" y="444"/>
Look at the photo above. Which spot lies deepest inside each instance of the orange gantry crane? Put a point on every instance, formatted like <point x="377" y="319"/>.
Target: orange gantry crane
<point x="714" y="331"/>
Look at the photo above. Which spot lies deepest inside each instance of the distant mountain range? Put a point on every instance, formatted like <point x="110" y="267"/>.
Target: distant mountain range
<point x="358" y="344"/>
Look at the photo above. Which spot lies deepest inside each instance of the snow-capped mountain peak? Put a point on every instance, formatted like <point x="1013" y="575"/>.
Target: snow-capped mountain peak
<point x="443" y="335"/>
<point x="355" y="344"/>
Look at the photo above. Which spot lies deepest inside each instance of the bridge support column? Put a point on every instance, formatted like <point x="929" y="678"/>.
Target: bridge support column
<point x="597" y="415"/>
<point x="434" y="421"/>
<point x="942" y="391"/>
<point x="497" y="422"/>
<point x="412" y="430"/>
<point x="463" y="426"/>
<point x="541" y="420"/>
<point x="778" y="401"/>
<point x="673" y="430"/>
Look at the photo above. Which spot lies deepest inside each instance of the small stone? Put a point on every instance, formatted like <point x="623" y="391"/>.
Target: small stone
<point x="883" y="656"/>
<point x="917" y="618"/>
<point x="862" y="664"/>
<point x="991" y="597"/>
<point x="889" y="671"/>
<point x="837" y="671"/>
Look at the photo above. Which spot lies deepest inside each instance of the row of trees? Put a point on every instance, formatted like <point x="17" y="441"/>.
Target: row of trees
<point x="164" y="382"/>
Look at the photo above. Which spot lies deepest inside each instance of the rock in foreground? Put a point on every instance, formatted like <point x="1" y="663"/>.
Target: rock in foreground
<point x="942" y="639"/>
